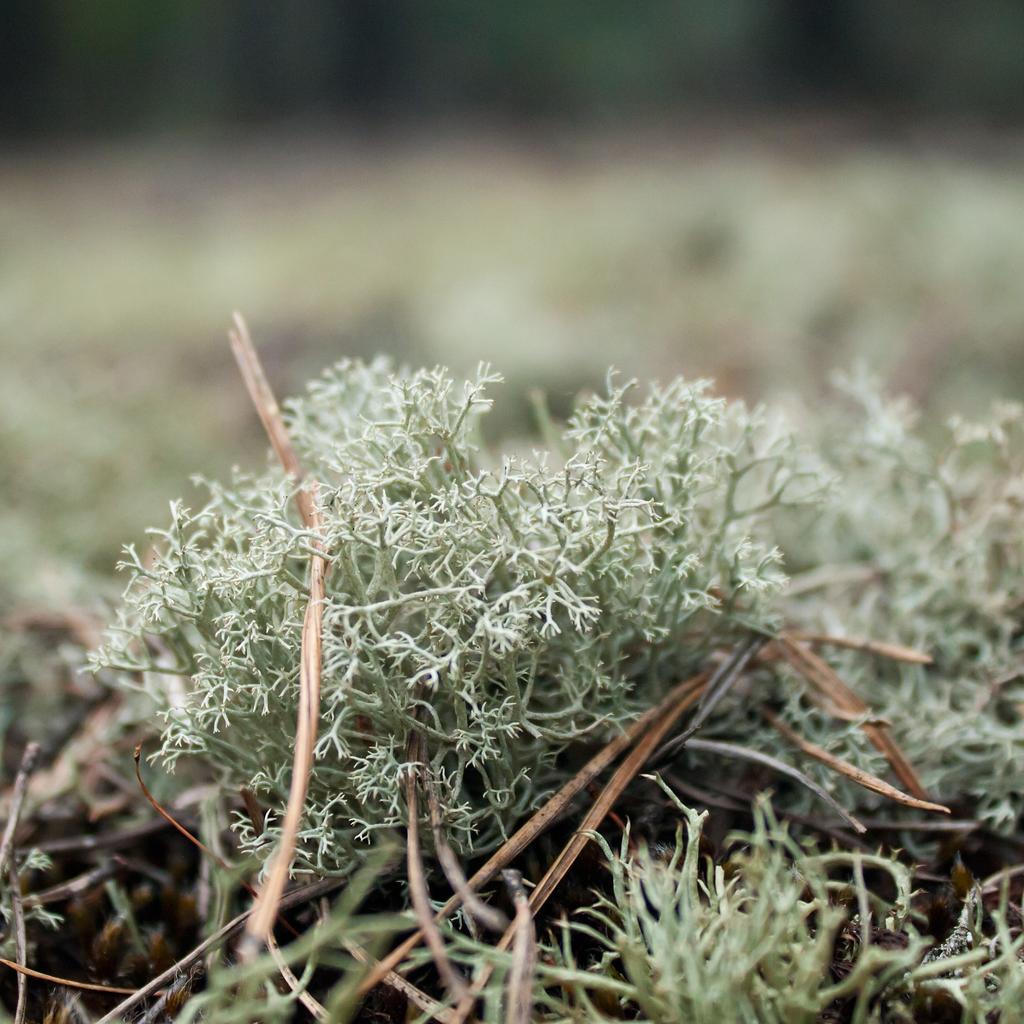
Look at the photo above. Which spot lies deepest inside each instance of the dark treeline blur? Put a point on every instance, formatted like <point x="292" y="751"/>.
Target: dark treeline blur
<point x="82" y="66"/>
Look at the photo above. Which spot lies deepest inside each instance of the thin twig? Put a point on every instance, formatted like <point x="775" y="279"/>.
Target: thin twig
<point x="490" y="917"/>
<point x="826" y="681"/>
<point x="749" y="754"/>
<point x="992" y="883"/>
<point x="720" y="683"/>
<point x="74" y="886"/>
<point x="175" y="824"/>
<point x="291" y="899"/>
<point x="260" y="925"/>
<point x="219" y="860"/>
<point x="894" y="652"/>
<point x="54" y="979"/>
<point x="415" y="996"/>
<point x="621" y="778"/>
<point x="9" y="868"/>
<point x="706" y="797"/>
<point x="28" y="763"/>
<point x="852" y="772"/>
<point x="315" y="1007"/>
<point x="20" y="944"/>
<point x="519" y="1001"/>
<point x="262" y="396"/>
<point x="539" y="821"/>
<point x="104" y="841"/>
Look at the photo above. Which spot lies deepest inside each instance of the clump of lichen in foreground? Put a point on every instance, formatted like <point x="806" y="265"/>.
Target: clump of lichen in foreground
<point x="773" y="931"/>
<point x="510" y="607"/>
<point x="520" y="608"/>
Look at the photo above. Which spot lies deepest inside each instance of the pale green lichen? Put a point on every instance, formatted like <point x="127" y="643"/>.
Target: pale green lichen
<point x="781" y="933"/>
<point x="508" y="606"/>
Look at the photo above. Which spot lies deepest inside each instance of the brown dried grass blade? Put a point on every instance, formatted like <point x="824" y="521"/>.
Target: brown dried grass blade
<point x="9" y="867"/>
<point x="519" y="1001"/>
<point x="269" y="412"/>
<point x="260" y="925"/>
<point x="535" y="825"/>
<point x="894" y="652"/>
<point x="415" y="996"/>
<point x="53" y="979"/>
<point x="175" y="824"/>
<point x="622" y="777"/>
<point x="76" y="886"/>
<point x="20" y="942"/>
<point x="827" y="682"/>
<point x="490" y="917"/>
<point x="737" y="750"/>
<point x="721" y="682"/>
<point x="852" y="772"/>
<point x="28" y="763"/>
<point x="316" y="1009"/>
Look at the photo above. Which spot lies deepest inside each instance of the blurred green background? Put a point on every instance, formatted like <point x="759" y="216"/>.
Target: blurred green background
<point x="763" y="192"/>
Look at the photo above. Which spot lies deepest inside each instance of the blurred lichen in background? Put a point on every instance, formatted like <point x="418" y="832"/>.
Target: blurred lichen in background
<point x="764" y="268"/>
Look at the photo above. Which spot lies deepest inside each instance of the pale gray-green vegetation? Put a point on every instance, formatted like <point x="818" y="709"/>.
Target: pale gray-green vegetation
<point x="511" y="605"/>
<point x="777" y="934"/>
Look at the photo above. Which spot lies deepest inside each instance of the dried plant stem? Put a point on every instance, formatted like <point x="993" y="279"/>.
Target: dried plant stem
<point x="539" y="821"/>
<point x="827" y="682"/>
<point x="9" y="868"/>
<point x="106" y="841"/>
<point x="20" y="944"/>
<point x="260" y="925"/>
<point x="994" y="881"/>
<point x="852" y="772"/>
<point x="175" y="824"/>
<point x="28" y="763"/>
<point x="621" y="778"/>
<point x="74" y="886"/>
<point x="894" y="652"/>
<point x="415" y="996"/>
<point x="269" y="412"/>
<point x="54" y="979"/>
<point x="317" y="1010"/>
<point x="718" y="686"/>
<point x="490" y="917"/>
<point x="519" y="1001"/>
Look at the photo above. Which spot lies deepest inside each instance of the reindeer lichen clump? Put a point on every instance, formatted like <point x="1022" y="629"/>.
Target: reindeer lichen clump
<point x="507" y="607"/>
